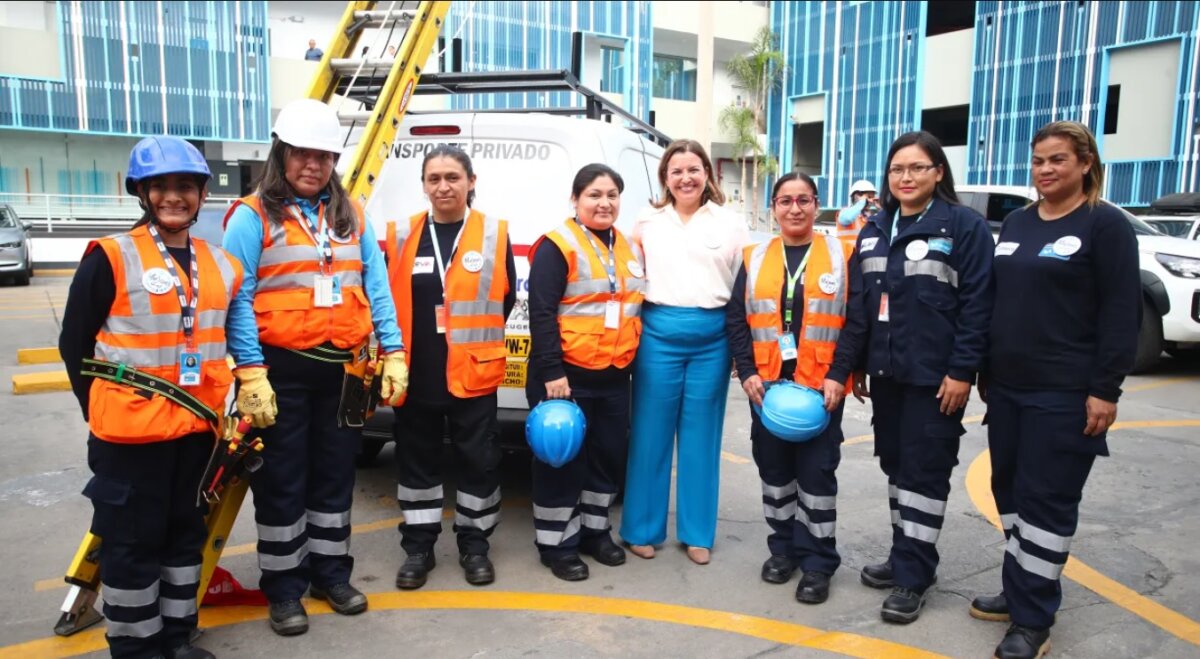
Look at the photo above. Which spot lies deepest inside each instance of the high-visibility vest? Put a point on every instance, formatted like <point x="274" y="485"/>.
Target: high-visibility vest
<point x="849" y="235"/>
<point x="586" y="342"/>
<point x="283" y="297"/>
<point x="826" y="285"/>
<point x="476" y="283"/>
<point x="144" y="331"/>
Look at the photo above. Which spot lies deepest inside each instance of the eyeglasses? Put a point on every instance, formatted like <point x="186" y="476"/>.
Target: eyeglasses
<point x="799" y="200"/>
<point x="915" y="170"/>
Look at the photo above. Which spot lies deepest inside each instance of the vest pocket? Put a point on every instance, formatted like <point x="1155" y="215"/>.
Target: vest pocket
<point x="485" y="368"/>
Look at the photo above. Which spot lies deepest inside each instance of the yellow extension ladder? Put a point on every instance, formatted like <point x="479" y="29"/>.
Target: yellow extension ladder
<point x="371" y="90"/>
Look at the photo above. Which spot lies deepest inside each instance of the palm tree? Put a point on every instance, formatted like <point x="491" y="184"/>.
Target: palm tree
<point x="740" y="125"/>
<point x="758" y="71"/>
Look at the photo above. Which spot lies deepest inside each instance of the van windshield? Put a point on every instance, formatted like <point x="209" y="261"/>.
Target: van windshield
<point x="6" y="219"/>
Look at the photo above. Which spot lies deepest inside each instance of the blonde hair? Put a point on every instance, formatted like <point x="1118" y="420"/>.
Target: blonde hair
<point x="711" y="191"/>
<point x="1084" y="145"/>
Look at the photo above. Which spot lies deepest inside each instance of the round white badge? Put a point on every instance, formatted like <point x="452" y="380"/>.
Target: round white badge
<point x="635" y="269"/>
<point x="828" y="283"/>
<point x="1067" y="245"/>
<point x="157" y="281"/>
<point x="472" y="261"/>
<point x="917" y="250"/>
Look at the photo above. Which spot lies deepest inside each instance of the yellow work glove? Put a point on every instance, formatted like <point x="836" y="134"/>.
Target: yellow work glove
<point x="255" y="397"/>
<point x="395" y="378"/>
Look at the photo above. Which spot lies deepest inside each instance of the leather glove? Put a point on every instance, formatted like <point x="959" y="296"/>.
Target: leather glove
<point x="255" y="397"/>
<point x="395" y="378"/>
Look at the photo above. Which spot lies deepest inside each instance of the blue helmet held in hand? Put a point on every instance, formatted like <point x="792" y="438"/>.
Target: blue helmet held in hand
<point x="793" y="412"/>
<point x="555" y="431"/>
<point x="160" y="155"/>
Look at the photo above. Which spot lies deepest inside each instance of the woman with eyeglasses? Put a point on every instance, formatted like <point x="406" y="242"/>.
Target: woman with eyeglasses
<point x="1063" y="337"/>
<point x="920" y="330"/>
<point x="693" y="248"/>
<point x="783" y="319"/>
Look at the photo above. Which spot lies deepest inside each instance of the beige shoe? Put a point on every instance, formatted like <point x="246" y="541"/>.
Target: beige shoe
<point x="699" y="555"/>
<point x="642" y="551"/>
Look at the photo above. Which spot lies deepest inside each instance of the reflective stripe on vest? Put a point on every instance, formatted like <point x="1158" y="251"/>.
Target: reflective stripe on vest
<point x="824" y="314"/>
<point x="586" y="342"/>
<point x="144" y="331"/>
<point x="475" y="300"/>
<point x="285" y="282"/>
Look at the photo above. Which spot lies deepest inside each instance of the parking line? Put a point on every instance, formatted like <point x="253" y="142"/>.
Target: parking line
<point x="1160" y="383"/>
<point x="978" y="483"/>
<point x="776" y="631"/>
<point x="734" y="458"/>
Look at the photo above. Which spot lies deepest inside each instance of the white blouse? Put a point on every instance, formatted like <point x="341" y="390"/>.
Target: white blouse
<point x="692" y="264"/>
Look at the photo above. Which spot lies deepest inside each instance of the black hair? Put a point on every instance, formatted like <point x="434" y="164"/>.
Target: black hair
<point x="447" y="151"/>
<point x="795" y="176"/>
<point x="944" y="189"/>
<point x="589" y="173"/>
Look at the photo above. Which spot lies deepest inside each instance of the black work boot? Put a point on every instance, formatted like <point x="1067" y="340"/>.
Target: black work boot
<point x="813" y="588"/>
<point x="902" y="606"/>
<point x="567" y="568"/>
<point x="990" y="607"/>
<point x="1023" y="643"/>
<point x="288" y="618"/>
<point x="878" y="575"/>
<point x="604" y="550"/>
<point x="342" y="597"/>
<point x="189" y="651"/>
<point x="778" y="569"/>
<point x="477" y="569"/>
<point x="415" y="571"/>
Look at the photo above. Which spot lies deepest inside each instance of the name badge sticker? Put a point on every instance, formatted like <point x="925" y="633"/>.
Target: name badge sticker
<point x="1006" y="249"/>
<point x="423" y="265"/>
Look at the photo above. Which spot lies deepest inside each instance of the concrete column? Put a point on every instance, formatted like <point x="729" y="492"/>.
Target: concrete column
<point x="704" y="76"/>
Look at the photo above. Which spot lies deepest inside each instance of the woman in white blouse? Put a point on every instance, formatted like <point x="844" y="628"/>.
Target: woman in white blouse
<point x="693" y="249"/>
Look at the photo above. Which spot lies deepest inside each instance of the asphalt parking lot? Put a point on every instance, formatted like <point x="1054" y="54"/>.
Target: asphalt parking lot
<point x="1131" y="588"/>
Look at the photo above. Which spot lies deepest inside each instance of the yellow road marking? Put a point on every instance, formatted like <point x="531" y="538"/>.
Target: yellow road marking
<point x="26" y="316"/>
<point x="776" y="631"/>
<point x="979" y="479"/>
<point x="38" y="356"/>
<point x="37" y="383"/>
<point x="1159" y="383"/>
<point x="734" y="458"/>
<point x="1181" y="423"/>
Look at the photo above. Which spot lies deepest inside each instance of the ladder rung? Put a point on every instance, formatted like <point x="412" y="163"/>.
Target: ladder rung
<point x="382" y="19"/>
<point x="371" y="64"/>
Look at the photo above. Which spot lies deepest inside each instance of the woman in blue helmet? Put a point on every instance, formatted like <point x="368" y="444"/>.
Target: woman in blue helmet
<point x="143" y="340"/>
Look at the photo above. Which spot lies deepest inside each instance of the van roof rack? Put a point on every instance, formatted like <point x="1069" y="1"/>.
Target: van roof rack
<point x="595" y="106"/>
<point x="1180" y="202"/>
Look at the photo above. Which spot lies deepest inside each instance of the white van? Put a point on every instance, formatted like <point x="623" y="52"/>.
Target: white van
<point x="524" y="164"/>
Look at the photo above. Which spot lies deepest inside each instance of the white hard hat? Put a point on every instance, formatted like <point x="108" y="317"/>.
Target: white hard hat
<point x="309" y="124"/>
<point x="862" y="185"/>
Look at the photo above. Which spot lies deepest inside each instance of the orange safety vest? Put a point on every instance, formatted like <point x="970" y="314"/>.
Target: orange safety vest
<point x="144" y="331"/>
<point x="586" y="342"/>
<point x="474" y="299"/>
<point x="826" y="287"/>
<point x="849" y="235"/>
<point x="283" y="298"/>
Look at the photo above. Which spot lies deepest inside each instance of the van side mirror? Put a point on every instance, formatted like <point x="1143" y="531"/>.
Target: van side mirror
<point x="27" y="226"/>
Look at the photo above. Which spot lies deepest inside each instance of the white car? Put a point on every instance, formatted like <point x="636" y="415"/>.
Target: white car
<point x="1170" y="275"/>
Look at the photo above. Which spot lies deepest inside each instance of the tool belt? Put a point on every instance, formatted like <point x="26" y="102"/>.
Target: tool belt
<point x="327" y="353"/>
<point x="127" y="375"/>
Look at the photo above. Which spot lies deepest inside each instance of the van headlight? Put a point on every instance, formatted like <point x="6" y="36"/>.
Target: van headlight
<point x="10" y="245"/>
<point x="1180" y="266"/>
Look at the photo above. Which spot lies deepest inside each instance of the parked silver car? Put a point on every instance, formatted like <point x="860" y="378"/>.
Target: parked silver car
<point x="16" y="259"/>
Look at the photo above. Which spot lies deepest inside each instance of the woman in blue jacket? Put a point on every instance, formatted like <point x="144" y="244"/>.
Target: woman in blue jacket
<point x="918" y="330"/>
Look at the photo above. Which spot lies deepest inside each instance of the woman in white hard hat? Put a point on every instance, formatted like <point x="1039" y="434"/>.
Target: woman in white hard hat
<point x="783" y="320"/>
<point x="854" y="217"/>
<point x="316" y="286"/>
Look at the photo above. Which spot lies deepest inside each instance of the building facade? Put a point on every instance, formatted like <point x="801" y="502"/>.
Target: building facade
<point x="984" y="77"/>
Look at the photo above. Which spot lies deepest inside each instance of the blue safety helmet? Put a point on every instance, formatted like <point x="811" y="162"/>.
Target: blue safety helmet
<point x="555" y="430"/>
<point x="160" y="155"/>
<point x="793" y="412"/>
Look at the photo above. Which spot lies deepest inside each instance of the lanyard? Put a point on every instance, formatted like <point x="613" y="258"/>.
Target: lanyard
<point x="896" y="221"/>
<point x="319" y="233"/>
<point x="791" y="286"/>
<point x="437" y="250"/>
<point x="610" y="266"/>
<point x="187" y="308"/>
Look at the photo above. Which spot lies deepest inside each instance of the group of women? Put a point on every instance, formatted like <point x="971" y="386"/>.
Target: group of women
<point x="640" y="331"/>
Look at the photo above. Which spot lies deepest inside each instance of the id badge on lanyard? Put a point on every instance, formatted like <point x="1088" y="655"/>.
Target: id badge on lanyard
<point x="327" y="285"/>
<point x="190" y="358"/>
<point x="787" y="346"/>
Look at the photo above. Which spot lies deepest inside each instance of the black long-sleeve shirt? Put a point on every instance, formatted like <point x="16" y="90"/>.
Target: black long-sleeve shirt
<point x="547" y="283"/>
<point x="1068" y="301"/>
<point x="741" y="345"/>
<point x="89" y="302"/>
<point x="428" y="351"/>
